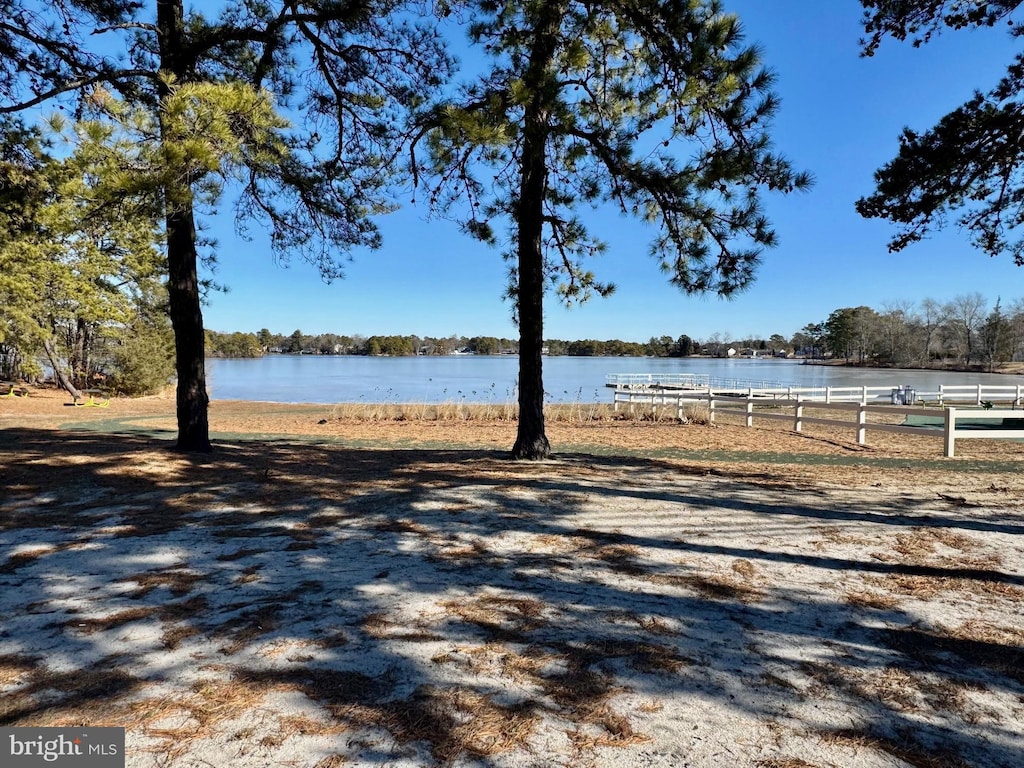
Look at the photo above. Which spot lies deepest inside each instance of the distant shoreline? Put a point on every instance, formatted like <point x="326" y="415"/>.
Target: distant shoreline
<point x="1006" y="369"/>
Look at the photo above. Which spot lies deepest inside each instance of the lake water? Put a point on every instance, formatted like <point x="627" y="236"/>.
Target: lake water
<point x="492" y="379"/>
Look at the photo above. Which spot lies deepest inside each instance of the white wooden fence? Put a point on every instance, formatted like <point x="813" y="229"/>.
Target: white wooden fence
<point x="838" y="399"/>
<point x="669" y="383"/>
<point x="952" y="433"/>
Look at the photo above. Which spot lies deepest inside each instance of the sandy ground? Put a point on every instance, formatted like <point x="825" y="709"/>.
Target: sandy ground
<point x="325" y="592"/>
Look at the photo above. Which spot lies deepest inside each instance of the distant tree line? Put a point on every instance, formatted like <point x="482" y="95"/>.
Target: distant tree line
<point x="257" y="344"/>
<point x="963" y="332"/>
<point x="299" y="343"/>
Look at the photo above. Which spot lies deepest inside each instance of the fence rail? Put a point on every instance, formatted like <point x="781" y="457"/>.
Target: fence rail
<point x="776" y="400"/>
<point x="670" y="384"/>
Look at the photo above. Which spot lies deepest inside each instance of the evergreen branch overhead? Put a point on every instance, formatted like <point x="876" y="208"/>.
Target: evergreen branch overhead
<point x="969" y="168"/>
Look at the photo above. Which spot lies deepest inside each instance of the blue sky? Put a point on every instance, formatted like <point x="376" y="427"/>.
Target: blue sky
<point x="840" y="119"/>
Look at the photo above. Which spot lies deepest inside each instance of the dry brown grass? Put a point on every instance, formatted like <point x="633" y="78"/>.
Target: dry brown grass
<point x="775" y="440"/>
<point x="573" y="679"/>
<point x="575" y="413"/>
<point x="195" y="716"/>
<point x="643" y="656"/>
<point x="331" y="761"/>
<point x="744" y="568"/>
<point x="935" y="561"/>
<point x="457" y="722"/>
<point x="454" y="551"/>
<point x="335" y="639"/>
<point x="920" y="543"/>
<point x="401" y="525"/>
<point x="907" y="749"/>
<point x="248" y="575"/>
<point x="927" y="587"/>
<point x="239" y="554"/>
<point x="983" y="632"/>
<point x="500" y="616"/>
<point x="377" y="624"/>
<point x="110" y="621"/>
<point x="876" y="600"/>
<point x="621" y="557"/>
<point x="252" y="624"/>
<point x="837" y="535"/>
<point x="176" y="578"/>
<point x="995" y="647"/>
<point x="713" y="587"/>
<point x="583" y="695"/>
<point x="23" y="558"/>
<point x="174" y="635"/>
<point x="15" y="667"/>
<point x="912" y="688"/>
<point x="452" y="721"/>
<point x="93" y="695"/>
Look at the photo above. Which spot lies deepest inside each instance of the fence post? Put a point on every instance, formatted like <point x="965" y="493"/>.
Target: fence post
<point x="750" y="407"/>
<point x="798" y="424"/>
<point x="828" y="395"/>
<point x="864" y="395"/>
<point x="711" y="407"/>
<point x="862" y="418"/>
<point x="950" y="428"/>
<point x="978" y="398"/>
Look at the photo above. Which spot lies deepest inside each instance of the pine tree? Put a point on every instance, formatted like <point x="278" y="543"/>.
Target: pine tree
<point x="348" y="70"/>
<point x="656" y="108"/>
<point x="78" y="272"/>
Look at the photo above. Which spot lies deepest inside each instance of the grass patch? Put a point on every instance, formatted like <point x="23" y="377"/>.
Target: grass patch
<point x="576" y="413"/>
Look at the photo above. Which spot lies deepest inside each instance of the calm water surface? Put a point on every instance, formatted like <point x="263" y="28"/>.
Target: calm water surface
<point x="492" y="379"/>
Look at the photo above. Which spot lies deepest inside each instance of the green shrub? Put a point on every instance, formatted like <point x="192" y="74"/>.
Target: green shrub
<point x="144" y="360"/>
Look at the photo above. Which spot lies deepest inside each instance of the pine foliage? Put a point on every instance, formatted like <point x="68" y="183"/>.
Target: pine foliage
<point x="968" y="168"/>
<point x="657" y="108"/>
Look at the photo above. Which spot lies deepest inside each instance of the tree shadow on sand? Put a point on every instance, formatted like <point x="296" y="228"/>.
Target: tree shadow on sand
<point x="450" y="607"/>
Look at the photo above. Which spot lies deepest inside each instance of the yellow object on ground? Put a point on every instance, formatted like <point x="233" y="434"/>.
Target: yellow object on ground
<point x="92" y="402"/>
<point x="13" y="390"/>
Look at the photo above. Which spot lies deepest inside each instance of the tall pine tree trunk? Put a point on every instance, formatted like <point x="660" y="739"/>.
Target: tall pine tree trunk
<point x="182" y="269"/>
<point x="531" y="440"/>
<point x="189" y="341"/>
